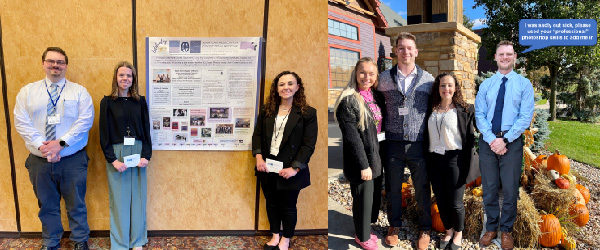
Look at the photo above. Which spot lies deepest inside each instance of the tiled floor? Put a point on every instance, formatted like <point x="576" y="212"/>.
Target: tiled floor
<point x="155" y="243"/>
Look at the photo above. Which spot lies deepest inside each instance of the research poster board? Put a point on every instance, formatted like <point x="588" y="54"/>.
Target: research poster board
<point x="202" y="92"/>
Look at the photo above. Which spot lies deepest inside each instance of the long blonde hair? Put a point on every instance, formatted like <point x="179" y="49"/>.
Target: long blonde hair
<point x="352" y="90"/>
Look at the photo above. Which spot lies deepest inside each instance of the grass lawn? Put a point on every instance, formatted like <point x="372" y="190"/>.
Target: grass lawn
<point x="541" y="102"/>
<point x="577" y="140"/>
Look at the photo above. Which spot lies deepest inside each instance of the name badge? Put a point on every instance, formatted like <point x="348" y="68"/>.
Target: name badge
<point x="439" y="150"/>
<point x="128" y="141"/>
<point x="274" y="166"/>
<point x="381" y="136"/>
<point x="403" y="111"/>
<point x="132" y="160"/>
<point x="54" y="119"/>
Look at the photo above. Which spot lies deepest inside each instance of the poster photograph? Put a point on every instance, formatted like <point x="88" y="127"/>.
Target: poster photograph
<point x="204" y="90"/>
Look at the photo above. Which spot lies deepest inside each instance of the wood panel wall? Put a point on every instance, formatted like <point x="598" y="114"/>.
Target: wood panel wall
<point x="8" y="222"/>
<point x="187" y="190"/>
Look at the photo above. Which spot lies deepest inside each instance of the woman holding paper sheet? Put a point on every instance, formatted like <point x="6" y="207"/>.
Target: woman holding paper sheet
<point x="358" y="112"/>
<point x="284" y="136"/>
<point x="125" y="140"/>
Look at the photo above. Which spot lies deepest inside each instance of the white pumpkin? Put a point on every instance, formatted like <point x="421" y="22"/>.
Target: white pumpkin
<point x="553" y="174"/>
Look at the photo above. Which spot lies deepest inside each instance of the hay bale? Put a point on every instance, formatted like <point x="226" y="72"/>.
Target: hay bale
<point x="473" y="215"/>
<point x="526" y="230"/>
<point x="548" y="197"/>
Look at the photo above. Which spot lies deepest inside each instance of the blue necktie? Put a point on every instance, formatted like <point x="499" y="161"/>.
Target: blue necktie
<point x="51" y="110"/>
<point x="497" y="120"/>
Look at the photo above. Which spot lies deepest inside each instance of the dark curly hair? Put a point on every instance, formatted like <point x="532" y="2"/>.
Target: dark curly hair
<point x="436" y="99"/>
<point x="274" y="99"/>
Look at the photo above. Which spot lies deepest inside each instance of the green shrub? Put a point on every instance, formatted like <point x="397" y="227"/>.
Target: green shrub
<point x="541" y="123"/>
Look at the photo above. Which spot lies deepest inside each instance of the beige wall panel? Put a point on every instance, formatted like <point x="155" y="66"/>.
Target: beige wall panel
<point x="95" y="37"/>
<point x="199" y="190"/>
<point x="297" y="41"/>
<point x="8" y="222"/>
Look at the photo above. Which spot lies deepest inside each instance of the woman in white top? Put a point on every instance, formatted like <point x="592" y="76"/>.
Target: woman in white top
<point x="285" y="135"/>
<point x="450" y="133"/>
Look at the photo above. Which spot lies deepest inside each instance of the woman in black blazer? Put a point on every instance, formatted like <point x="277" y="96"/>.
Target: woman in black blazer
<point x="358" y="113"/>
<point x="450" y="139"/>
<point x="285" y="132"/>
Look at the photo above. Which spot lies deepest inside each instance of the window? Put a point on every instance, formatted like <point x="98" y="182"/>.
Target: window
<point x="337" y="28"/>
<point x="341" y="65"/>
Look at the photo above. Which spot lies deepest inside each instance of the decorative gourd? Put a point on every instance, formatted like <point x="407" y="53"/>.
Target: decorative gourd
<point x="562" y="183"/>
<point x="436" y="220"/>
<point x="578" y="197"/>
<point x="477" y="191"/>
<point x="584" y="192"/>
<point x="553" y="174"/>
<point x="581" y="214"/>
<point x="559" y="163"/>
<point x="568" y="243"/>
<point x="539" y="161"/>
<point x="564" y="234"/>
<point x="551" y="231"/>
<point x="569" y="177"/>
<point x="405" y="193"/>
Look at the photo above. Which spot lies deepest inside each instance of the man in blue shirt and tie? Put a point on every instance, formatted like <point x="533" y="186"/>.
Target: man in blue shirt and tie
<point x="503" y="111"/>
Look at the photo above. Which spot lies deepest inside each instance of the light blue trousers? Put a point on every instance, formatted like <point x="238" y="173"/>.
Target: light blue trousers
<point x="127" y="198"/>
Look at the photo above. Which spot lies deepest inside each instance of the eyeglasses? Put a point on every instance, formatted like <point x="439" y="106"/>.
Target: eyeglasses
<point x="52" y="62"/>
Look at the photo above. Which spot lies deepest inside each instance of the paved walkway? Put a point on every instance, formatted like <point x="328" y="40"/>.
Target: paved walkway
<point x="341" y="226"/>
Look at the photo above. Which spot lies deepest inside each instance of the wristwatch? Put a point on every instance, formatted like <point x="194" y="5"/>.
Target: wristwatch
<point x="505" y="140"/>
<point x="62" y="143"/>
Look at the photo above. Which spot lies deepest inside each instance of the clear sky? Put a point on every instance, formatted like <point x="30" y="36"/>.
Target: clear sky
<point x="474" y="14"/>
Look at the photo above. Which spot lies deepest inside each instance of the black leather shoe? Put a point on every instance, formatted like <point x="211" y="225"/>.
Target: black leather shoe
<point x="443" y="244"/>
<point x="454" y="246"/>
<point x="267" y="247"/>
<point x="81" y="246"/>
<point x="50" y="248"/>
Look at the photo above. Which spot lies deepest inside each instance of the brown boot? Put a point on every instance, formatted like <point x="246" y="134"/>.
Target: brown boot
<point x="507" y="241"/>
<point x="392" y="236"/>
<point x="487" y="238"/>
<point x="423" y="242"/>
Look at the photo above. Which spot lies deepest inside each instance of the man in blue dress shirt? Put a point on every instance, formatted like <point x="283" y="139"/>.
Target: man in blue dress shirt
<point x="503" y="111"/>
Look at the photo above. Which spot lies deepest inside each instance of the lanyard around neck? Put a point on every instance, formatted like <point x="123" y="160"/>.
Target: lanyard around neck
<point x="57" y="98"/>
<point x="278" y="130"/>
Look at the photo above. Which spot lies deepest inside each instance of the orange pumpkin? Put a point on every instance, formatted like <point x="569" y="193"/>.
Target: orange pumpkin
<point x="539" y="161"/>
<point x="436" y="220"/>
<point x="559" y="162"/>
<point x="581" y="214"/>
<point x="405" y="193"/>
<point x="562" y="183"/>
<point x="584" y="192"/>
<point x="551" y="231"/>
<point x="578" y="197"/>
<point x="475" y="183"/>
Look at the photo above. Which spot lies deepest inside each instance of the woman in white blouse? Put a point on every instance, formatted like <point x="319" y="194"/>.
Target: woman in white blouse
<point x="450" y="132"/>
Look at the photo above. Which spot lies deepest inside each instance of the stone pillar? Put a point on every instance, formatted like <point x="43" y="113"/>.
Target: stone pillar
<point x="445" y="47"/>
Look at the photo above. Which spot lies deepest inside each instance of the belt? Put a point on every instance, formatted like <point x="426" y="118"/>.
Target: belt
<point x="501" y="134"/>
